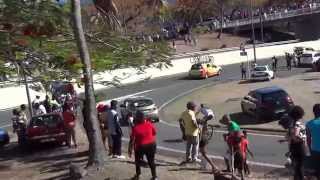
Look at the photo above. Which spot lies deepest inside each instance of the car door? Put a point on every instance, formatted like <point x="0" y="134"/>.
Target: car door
<point x="251" y="102"/>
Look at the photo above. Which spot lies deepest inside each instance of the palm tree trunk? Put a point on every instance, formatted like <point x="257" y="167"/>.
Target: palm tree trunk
<point x="97" y="153"/>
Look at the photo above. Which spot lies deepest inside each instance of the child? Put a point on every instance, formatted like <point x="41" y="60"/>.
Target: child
<point x="245" y="149"/>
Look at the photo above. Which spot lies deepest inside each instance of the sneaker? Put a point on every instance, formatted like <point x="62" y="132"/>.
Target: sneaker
<point x="120" y="156"/>
<point x="196" y="160"/>
<point x="154" y="178"/>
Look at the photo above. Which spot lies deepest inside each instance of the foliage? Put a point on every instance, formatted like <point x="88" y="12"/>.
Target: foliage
<point x="42" y="37"/>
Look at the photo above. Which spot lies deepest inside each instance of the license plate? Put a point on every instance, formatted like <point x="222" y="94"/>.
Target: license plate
<point x="47" y="140"/>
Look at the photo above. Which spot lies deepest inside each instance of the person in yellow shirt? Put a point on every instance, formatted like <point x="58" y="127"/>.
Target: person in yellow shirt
<point x="191" y="132"/>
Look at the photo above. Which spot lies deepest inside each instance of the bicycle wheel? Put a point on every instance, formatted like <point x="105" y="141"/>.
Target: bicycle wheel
<point x="209" y="132"/>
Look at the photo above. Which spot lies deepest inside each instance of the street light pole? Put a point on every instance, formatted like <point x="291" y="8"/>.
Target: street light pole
<point x="27" y="90"/>
<point x="261" y="25"/>
<point x="253" y="35"/>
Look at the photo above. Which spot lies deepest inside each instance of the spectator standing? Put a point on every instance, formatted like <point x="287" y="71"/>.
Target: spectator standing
<point x="114" y="130"/>
<point x="245" y="150"/>
<point x="102" y="116"/>
<point x="23" y="113"/>
<point x="36" y="100"/>
<point x="313" y="138"/>
<point x="204" y="140"/>
<point x="69" y="120"/>
<point x="296" y="138"/>
<point x="143" y="140"/>
<point x="47" y="104"/>
<point x="275" y="63"/>
<point x="39" y="109"/>
<point x="243" y="71"/>
<point x="191" y="132"/>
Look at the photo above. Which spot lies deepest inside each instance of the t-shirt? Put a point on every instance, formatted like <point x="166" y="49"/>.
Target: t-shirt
<point x="313" y="127"/>
<point x="143" y="134"/>
<point x="112" y="121"/>
<point x="68" y="119"/>
<point x="188" y="120"/>
<point x="244" y="147"/>
<point x="233" y="127"/>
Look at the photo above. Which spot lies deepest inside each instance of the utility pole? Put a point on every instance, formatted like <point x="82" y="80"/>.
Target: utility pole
<point x="261" y="25"/>
<point x="253" y="35"/>
<point x="27" y="90"/>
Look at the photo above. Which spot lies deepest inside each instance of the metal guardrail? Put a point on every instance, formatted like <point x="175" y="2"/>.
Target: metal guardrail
<point x="214" y="51"/>
<point x="269" y="17"/>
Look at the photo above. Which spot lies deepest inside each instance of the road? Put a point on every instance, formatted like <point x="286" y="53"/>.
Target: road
<point x="162" y="90"/>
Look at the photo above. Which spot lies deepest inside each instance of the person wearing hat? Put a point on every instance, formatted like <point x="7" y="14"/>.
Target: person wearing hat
<point x="191" y="131"/>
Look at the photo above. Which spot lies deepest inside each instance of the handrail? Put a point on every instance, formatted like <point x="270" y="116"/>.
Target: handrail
<point x="269" y="17"/>
<point x="214" y="51"/>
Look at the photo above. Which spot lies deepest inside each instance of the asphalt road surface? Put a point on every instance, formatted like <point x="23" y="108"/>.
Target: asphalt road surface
<point x="162" y="90"/>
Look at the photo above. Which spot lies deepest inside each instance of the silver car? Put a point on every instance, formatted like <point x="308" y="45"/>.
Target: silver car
<point x="131" y="105"/>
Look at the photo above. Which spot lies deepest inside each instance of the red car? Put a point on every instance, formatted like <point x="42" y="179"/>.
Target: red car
<point x="46" y="128"/>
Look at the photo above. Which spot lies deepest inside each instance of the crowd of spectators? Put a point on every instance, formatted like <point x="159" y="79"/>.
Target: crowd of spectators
<point x="245" y="13"/>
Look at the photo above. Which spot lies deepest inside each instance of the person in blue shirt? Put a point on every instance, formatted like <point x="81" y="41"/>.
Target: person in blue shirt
<point x="313" y="137"/>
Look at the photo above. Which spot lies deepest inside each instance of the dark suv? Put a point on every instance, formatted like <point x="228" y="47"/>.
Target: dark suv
<point x="268" y="102"/>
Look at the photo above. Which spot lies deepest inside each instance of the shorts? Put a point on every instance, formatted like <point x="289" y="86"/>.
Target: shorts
<point x="203" y="143"/>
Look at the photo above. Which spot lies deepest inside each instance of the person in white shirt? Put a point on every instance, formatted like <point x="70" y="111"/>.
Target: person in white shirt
<point x="206" y="112"/>
<point x="39" y="109"/>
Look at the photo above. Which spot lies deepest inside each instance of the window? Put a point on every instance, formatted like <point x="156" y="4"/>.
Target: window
<point x="274" y="96"/>
<point x="196" y="67"/>
<point x="260" y="68"/>
<point x="50" y="121"/>
<point x="142" y="102"/>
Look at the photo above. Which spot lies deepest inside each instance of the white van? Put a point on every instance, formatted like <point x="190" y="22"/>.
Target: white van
<point x="309" y="57"/>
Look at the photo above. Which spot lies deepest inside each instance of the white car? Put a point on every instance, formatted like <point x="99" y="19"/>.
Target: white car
<point x="309" y="58"/>
<point x="262" y="73"/>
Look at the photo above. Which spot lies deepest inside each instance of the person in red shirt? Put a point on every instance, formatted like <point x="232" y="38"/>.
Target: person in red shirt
<point x="69" y="121"/>
<point x="143" y="140"/>
<point x="244" y="146"/>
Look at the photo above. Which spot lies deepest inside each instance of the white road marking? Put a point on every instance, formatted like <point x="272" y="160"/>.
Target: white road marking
<point x="126" y="96"/>
<point x="217" y="157"/>
<point x="185" y="93"/>
<point x="222" y="131"/>
<point x="7" y="125"/>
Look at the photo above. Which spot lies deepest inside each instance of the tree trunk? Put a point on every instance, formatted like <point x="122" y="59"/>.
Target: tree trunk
<point x="97" y="153"/>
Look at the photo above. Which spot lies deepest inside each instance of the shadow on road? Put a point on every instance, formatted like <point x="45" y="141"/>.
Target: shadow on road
<point x="173" y="140"/>
<point x="244" y="119"/>
<point x="51" y="160"/>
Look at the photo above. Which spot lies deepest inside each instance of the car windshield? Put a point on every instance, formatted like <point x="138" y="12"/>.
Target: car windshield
<point x="50" y="121"/>
<point x="196" y="67"/>
<point x="260" y="68"/>
<point x="306" y="55"/>
<point x="142" y="102"/>
<point x="274" y="96"/>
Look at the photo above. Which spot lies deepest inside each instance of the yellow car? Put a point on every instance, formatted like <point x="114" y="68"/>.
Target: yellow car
<point x="204" y="70"/>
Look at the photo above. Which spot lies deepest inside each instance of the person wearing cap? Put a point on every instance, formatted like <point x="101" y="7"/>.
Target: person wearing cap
<point x="143" y="141"/>
<point x="191" y="131"/>
<point x="36" y="100"/>
<point x="114" y="130"/>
